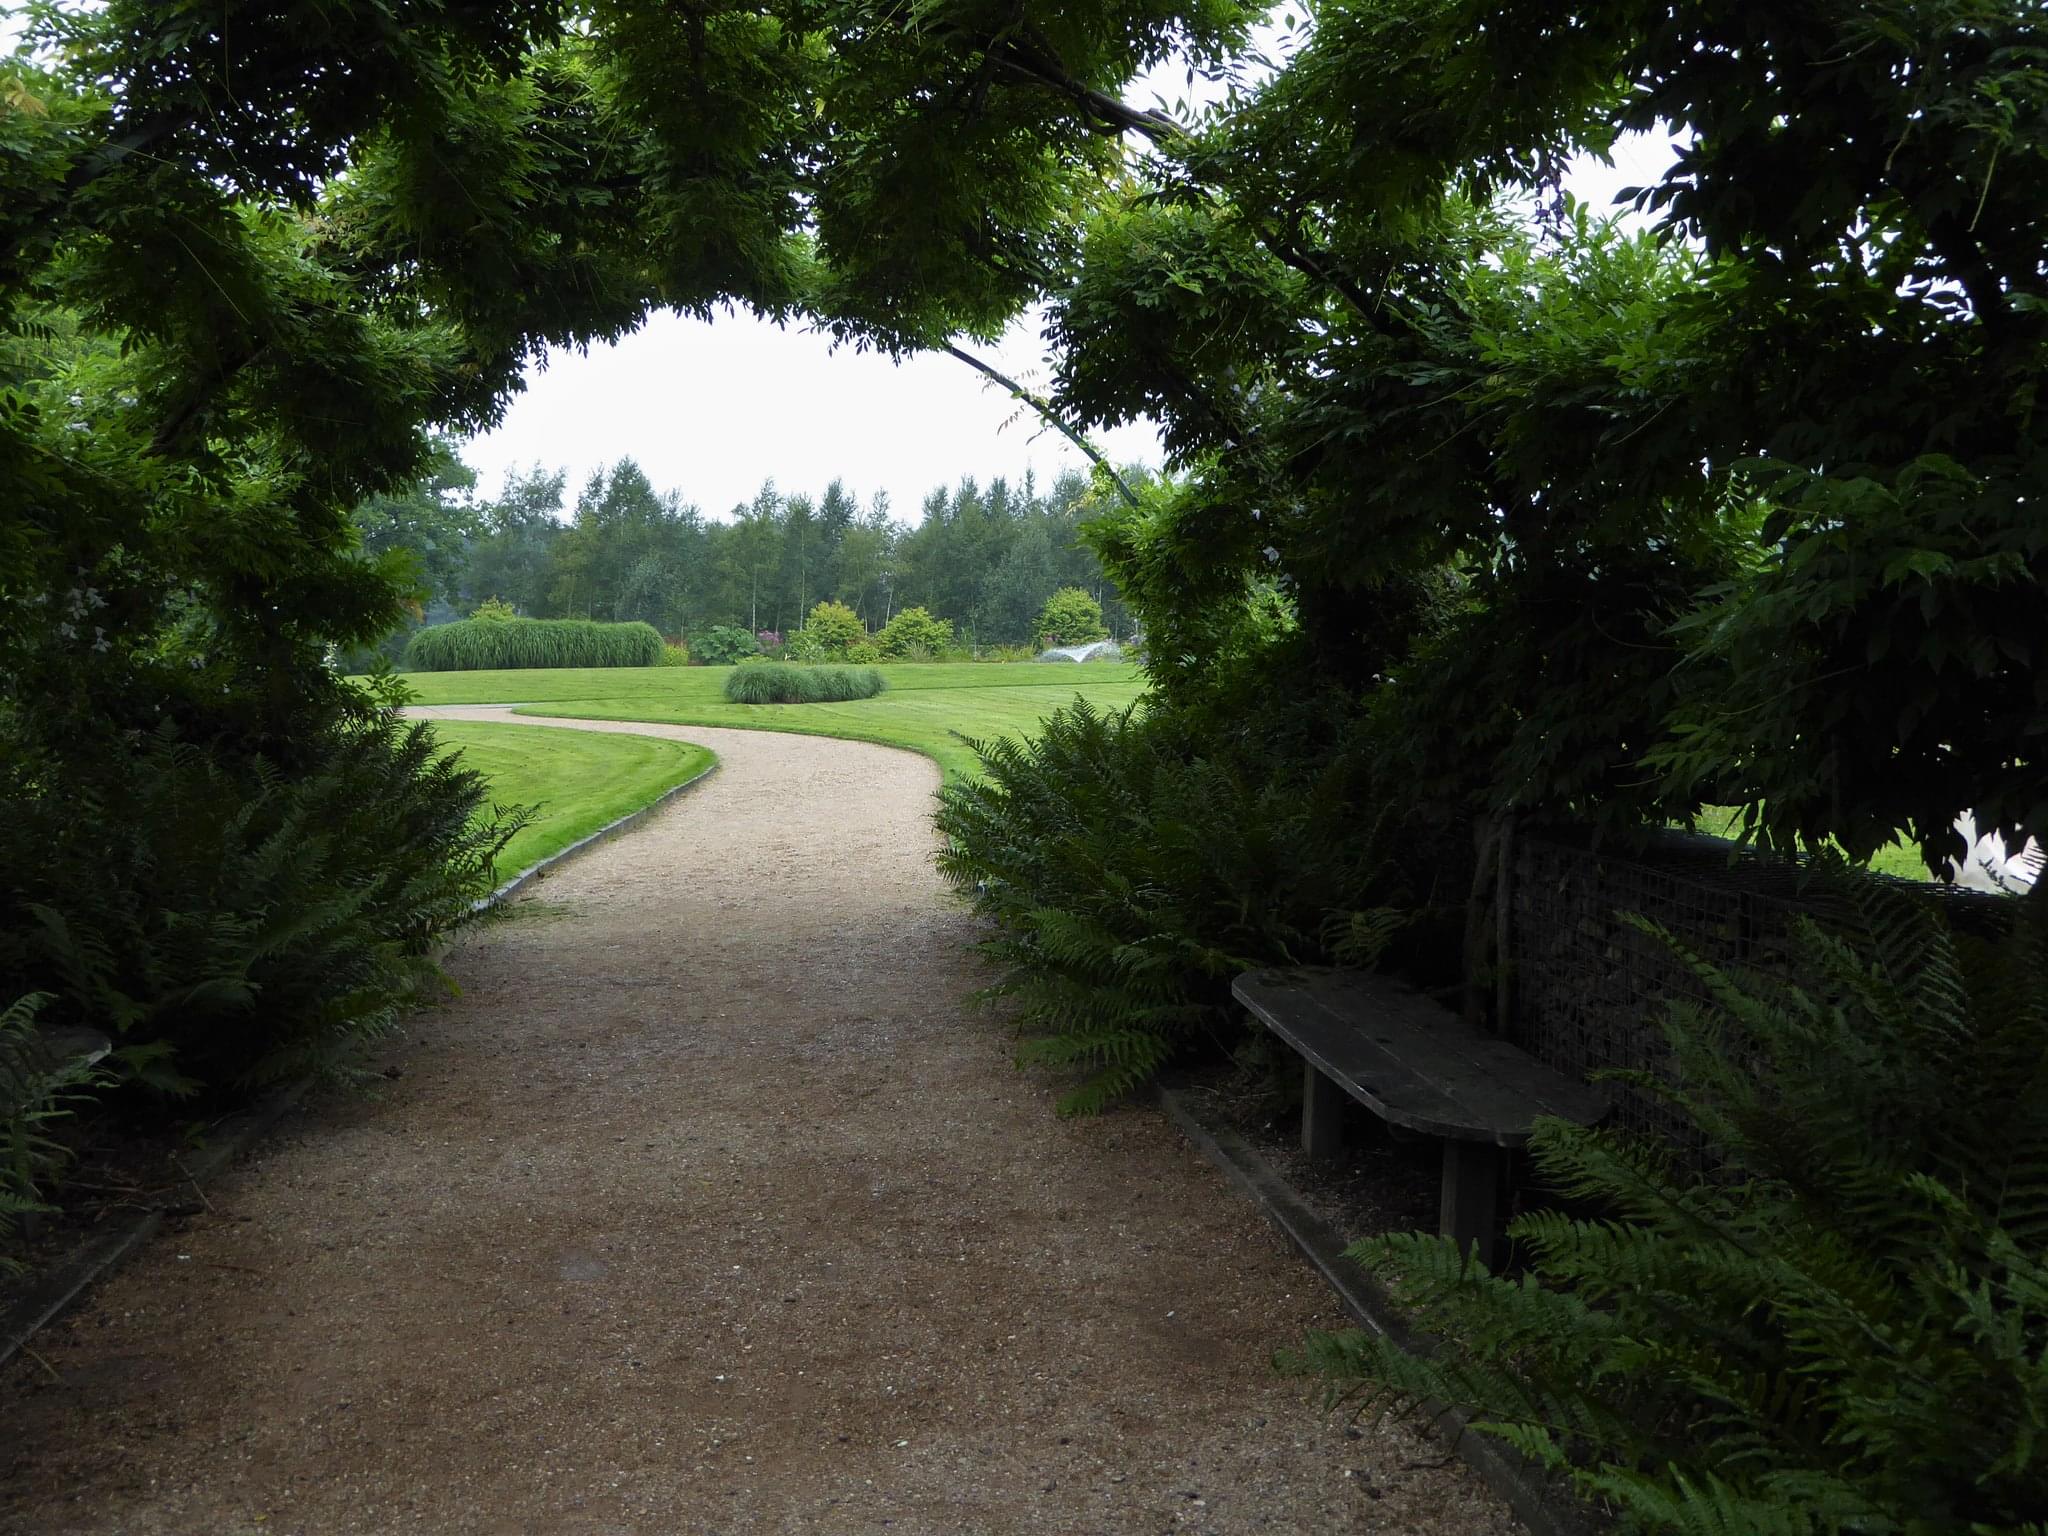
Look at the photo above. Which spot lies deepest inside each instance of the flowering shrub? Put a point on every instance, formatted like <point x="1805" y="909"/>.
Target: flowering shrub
<point x="828" y="633"/>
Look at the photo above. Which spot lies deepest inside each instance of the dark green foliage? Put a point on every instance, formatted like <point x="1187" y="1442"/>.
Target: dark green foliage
<point x="471" y="645"/>
<point x="723" y="644"/>
<point x="780" y="683"/>
<point x="1070" y="617"/>
<point x="231" y="924"/>
<point x="1132" y="868"/>
<point x="35" y="1091"/>
<point x="1743" y="509"/>
<point x="249" y="256"/>
<point x="1846" y="1328"/>
<point x="830" y="631"/>
<point x="914" y="634"/>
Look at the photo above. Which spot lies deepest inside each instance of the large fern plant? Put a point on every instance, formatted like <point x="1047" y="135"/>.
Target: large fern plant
<point x="37" y="1089"/>
<point x="1130" y="876"/>
<point x="1846" y="1330"/>
<point x="235" y="925"/>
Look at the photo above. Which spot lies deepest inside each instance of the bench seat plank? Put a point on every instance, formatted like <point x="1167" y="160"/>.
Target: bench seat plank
<point x="1410" y="1060"/>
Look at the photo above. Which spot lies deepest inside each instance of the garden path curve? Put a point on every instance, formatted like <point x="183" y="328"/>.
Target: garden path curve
<point x="708" y="1207"/>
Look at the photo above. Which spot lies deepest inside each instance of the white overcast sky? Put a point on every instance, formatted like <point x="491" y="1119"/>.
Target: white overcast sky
<point x="712" y="409"/>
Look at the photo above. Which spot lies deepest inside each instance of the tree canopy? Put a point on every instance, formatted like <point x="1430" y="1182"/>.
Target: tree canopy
<point x="1738" y="508"/>
<point x="990" y="555"/>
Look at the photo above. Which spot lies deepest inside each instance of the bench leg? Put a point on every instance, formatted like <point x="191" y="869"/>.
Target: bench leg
<point x="1470" y="1202"/>
<point x="1322" y="1113"/>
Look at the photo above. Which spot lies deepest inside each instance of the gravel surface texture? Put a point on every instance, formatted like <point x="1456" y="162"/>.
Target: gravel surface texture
<point x="708" y="1207"/>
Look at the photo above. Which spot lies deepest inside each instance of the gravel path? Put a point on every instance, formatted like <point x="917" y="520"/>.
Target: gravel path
<point x="708" y="1208"/>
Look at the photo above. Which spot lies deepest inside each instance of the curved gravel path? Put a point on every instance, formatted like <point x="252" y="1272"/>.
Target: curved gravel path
<point x="708" y="1208"/>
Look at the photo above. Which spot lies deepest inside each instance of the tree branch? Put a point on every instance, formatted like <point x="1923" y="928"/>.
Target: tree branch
<point x="1109" y="113"/>
<point x="1046" y="413"/>
<point x="1113" y="116"/>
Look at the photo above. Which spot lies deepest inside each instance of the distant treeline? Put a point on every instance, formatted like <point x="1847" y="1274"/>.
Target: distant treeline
<point x="985" y="557"/>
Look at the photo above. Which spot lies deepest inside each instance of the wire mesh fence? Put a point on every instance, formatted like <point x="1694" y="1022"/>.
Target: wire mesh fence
<point x="1588" y="989"/>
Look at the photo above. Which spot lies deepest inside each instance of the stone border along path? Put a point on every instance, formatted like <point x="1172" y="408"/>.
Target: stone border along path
<point x="708" y="1207"/>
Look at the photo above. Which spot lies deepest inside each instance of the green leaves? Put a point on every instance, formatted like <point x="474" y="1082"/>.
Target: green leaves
<point x="1837" y="1329"/>
<point x="1133" y="865"/>
<point x="1070" y="617"/>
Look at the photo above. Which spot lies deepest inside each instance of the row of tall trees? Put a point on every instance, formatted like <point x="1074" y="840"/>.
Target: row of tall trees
<point x="985" y="557"/>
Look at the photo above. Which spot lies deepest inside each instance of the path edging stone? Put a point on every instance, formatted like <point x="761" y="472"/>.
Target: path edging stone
<point x="1542" y="1506"/>
<point x="603" y="834"/>
<point x="66" y="1283"/>
<point x="97" y="1255"/>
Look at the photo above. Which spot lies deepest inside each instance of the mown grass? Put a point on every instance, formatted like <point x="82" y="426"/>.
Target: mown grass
<point x="1897" y="858"/>
<point x="579" y="780"/>
<point x="932" y="708"/>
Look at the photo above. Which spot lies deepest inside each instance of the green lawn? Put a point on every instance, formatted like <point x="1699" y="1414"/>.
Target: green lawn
<point x="930" y="708"/>
<point x="579" y="780"/>
<point x="1895" y="858"/>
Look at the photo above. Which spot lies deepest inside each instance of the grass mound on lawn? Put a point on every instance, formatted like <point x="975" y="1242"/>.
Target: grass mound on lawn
<point x="776" y="683"/>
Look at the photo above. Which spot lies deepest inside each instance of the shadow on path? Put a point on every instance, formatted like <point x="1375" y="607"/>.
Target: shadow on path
<point x="708" y="1207"/>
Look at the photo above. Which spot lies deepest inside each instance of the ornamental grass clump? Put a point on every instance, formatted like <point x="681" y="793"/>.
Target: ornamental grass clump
<point x="471" y="645"/>
<point x="777" y="682"/>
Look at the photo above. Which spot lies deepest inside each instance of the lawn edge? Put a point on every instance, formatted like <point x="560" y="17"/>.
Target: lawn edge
<point x="544" y="711"/>
<point x="603" y="834"/>
<point x="1539" y="1503"/>
<point x="66" y="1283"/>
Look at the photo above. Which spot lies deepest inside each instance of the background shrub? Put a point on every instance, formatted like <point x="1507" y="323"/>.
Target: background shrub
<point x="915" y="634"/>
<point x="675" y="655"/>
<point x="829" y="634"/>
<point x="863" y="653"/>
<point x="723" y="644"/>
<point x="479" y="644"/>
<point x="1070" y="617"/>
<point x="778" y="682"/>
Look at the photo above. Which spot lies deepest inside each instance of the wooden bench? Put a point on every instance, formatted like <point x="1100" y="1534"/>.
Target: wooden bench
<point x="1418" y="1065"/>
